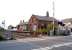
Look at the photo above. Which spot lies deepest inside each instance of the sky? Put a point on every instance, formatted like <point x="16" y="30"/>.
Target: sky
<point x="12" y="11"/>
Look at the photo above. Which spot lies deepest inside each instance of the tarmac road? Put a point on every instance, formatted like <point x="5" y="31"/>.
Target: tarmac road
<point x="55" y="43"/>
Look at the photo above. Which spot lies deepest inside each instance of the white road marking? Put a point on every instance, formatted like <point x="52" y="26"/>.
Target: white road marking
<point x="53" y="46"/>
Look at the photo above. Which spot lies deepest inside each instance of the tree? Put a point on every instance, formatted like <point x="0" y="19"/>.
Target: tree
<point x="10" y="27"/>
<point x="2" y="30"/>
<point x="50" y="27"/>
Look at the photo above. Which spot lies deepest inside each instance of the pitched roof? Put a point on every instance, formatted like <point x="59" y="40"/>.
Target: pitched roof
<point x="67" y="20"/>
<point x="44" y="18"/>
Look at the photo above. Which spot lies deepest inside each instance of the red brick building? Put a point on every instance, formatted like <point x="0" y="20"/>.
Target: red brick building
<point x="37" y="21"/>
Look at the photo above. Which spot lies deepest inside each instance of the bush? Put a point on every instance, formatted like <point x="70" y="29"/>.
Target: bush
<point x="1" y="38"/>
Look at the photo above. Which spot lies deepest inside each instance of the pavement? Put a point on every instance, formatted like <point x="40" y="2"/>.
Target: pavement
<point x="39" y="38"/>
<point x="40" y="43"/>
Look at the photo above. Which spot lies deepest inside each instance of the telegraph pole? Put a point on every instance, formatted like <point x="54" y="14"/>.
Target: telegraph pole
<point x="53" y="13"/>
<point x="53" y="8"/>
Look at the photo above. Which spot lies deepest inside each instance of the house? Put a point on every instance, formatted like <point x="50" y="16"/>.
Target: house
<point x="61" y="28"/>
<point x="37" y="21"/>
<point x="20" y="31"/>
<point x="68" y="23"/>
<point x="65" y="26"/>
<point x="22" y="26"/>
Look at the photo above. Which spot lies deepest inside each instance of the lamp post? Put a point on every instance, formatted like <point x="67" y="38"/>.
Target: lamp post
<point x="3" y="23"/>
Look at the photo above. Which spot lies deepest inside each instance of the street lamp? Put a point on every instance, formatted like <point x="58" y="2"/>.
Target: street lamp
<point x="3" y="23"/>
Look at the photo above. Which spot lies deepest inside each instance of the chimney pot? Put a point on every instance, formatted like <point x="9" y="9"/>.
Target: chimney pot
<point x="47" y="14"/>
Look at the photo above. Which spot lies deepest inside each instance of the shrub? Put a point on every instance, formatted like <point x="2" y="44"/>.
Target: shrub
<point x="1" y="38"/>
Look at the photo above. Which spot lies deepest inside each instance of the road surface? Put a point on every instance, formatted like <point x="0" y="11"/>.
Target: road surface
<point x="55" y="43"/>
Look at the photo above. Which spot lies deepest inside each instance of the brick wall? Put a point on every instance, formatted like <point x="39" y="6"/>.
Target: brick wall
<point x="32" y="21"/>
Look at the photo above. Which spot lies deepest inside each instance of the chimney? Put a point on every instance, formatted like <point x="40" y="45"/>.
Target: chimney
<point x="47" y="14"/>
<point x="23" y="21"/>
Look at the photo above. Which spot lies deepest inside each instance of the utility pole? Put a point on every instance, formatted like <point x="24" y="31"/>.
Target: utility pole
<point x="53" y="13"/>
<point x="53" y="8"/>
